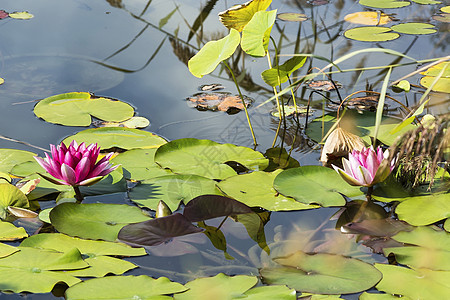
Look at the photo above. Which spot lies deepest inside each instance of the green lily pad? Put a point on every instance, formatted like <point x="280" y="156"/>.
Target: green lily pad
<point x="447" y="225"/>
<point x="212" y="53"/>
<point x="314" y="185"/>
<point x="94" y="221"/>
<point x="9" y="232"/>
<point x="76" y="109"/>
<point x="100" y="266"/>
<point x="33" y="270"/>
<point x="364" y="126"/>
<point x="414" y="28"/>
<point x="424" y="210"/>
<point x="11" y="157"/>
<point x="256" y="34"/>
<point x="371" y="33"/>
<point x="11" y="196"/>
<point x="139" y="164"/>
<point x="426" y="1"/>
<point x="372" y="296"/>
<point x="279" y="74"/>
<point x="124" y="138"/>
<point x="220" y="286"/>
<point x="172" y="189"/>
<point x="278" y="292"/>
<point x="256" y="190"/>
<point x="322" y="273"/>
<point x="124" y="287"/>
<point x="427" y="248"/>
<point x="27" y="168"/>
<point x="292" y="17"/>
<point x="384" y="3"/>
<point x="239" y="15"/>
<point x="6" y="250"/>
<point x="207" y="158"/>
<point x="415" y="284"/>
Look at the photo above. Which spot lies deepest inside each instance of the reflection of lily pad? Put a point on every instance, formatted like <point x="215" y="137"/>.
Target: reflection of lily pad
<point x="218" y="101"/>
<point x="414" y="28"/>
<point x="239" y="15"/>
<point x="368" y="18"/>
<point x="76" y="109"/>
<point x="371" y="34"/>
<point x="384" y="3"/>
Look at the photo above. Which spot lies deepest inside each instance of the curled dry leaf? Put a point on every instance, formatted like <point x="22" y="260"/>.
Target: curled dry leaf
<point x="21" y="212"/>
<point x="218" y="101"/>
<point x="339" y="143"/>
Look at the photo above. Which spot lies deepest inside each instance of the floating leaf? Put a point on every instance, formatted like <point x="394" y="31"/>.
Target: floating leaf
<point x="292" y="17"/>
<point x="445" y="9"/>
<point x="11" y="196"/>
<point x="384" y="3"/>
<point x="139" y="164"/>
<point x="447" y="225"/>
<point x="104" y="221"/>
<point x="323" y="85"/>
<point x="431" y="249"/>
<point x="33" y="270"/>
<point x="290" y="110"/>
<point x="415" y="284"/>
<point x="219" y="101"/>
<point x="279" y="158"/>
<point x="23" y="15"/>
<point x="403" y="85"/>
<point x="9" y="232"/>
<point x="124" y="287"/>
<point x="172" y="189"/>
<point x="443" y="84"/>
<point x="76" y="109"/>
<point x="6" y="250"/>
<point x="124" y="138"/>
<point x="256" y="34"/>
<point x="442" y="18"/>
<point x="372" y="296"/>
<point x="426" y="1"/>
<point x="279" y="74"/>
<point x="279" y="292"/>
<point x="3" y="14"/>
<point x="220" y="286"/>
<point x="368" y="18"/>
<point x="371" y="34"/>
<point x="133" y="122"/>
<point x="212" y="53"/>
<point x="256" y="190"/>
<point x="314" y="185"/>
<point x="322" y="273"/>
<point x="207" y="158"/>
<point x="424" y="210"/>
<point x="21" y="212"/>
<point x="414" y="28"/>
<point x="11" y="157"/>
<point x="239" y="15"/>
<point x="2" y="80"/>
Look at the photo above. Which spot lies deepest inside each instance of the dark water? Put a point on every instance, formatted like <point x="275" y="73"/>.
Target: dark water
<point x="104" y="47"/>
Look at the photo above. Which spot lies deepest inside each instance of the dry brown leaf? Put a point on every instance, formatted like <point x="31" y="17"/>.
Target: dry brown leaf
<point x="340" y="143"/>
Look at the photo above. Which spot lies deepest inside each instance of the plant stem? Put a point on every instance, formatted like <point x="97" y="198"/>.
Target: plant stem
<point x="243" y="103"/>
<point x="78" y="196"/>
<point x="369" y="193"/>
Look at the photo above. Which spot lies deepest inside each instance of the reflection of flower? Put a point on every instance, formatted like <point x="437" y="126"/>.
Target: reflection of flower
<point x="366" y="167"/>
<point x="76" y="165"/>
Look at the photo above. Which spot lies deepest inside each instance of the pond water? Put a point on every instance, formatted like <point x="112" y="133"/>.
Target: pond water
<point x="119" y="49"/>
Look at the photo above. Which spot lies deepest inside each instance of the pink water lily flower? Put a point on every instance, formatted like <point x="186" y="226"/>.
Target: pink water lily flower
<point x="366" y="167"/>
<point x="76" y="165"/>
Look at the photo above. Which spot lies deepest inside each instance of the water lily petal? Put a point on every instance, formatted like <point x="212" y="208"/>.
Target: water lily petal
<point x="43" y="163"/>
<point x="83" y="168"/>
<point x="349" y="179"/>
<point x="108" y="170"/>
<point x="54" y="181"/>
<point x="367" y="177"/>
<point x="68" y="174"/>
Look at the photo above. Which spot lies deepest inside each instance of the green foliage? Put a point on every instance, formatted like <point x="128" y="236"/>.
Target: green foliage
<point x="9" y="232"/>
<point x="414" y="28"/>
<point x="256" y="34"/>
<point x="279" y="74"/>
<point x="384" y="3"/>
<point x="371" y="33"/>
<point x="11" y="196"/>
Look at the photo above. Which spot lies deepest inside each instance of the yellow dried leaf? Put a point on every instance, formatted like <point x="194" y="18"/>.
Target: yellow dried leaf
<point x="368" y="18"/>
<point x="23" y="15"/>
<point x="239" y="15"/>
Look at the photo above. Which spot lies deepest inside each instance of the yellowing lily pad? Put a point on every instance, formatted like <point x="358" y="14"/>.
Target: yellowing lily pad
<point x="414" y="28"/>
<point x="446" y="9"/>
<point x="384" y="3"/>
<point x="368" y="18"/>
<point x="24" y="15"/>
<point x="2" y="80"/>
<point x="239" y="15"/>
<point x="76" y="109"/>
<point x="443" y="84"/>
<point x="292" y="17"/>
<point x="426" y="1"/>
<point x="371" y="34"/>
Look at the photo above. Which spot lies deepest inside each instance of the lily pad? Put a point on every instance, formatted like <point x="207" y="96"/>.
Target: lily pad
<point x="139" y="164"/>
<point x="212" y="53"/>
<point x="94" y="221"/>
<point x="11" y="196"/>
<point x="9" y="232"/>
<point x="220" y="286"/>
<point x="414" y="28"/>
<point x="442" y="18"/>
<point x="443" y="84"/>
<point x="415" y="284"/>
<point x="33" y="270"/>
<point x="256" y="190"/>
<point x="371" y="34"/>
<point x="23" y="15"/>
<point x="76" y="109"/>
<point x="256" y="34"/>
<point x="239" y="15"/>
<point x="292" y="17"/>
<point x="207" y="158"/>
<point x="172" y="189"/>
<point x="11" y="157"/>
<point x="6" y="250"/>
<point x="279" y="74"/>
<point x="278" y="292"/>
<point x="124" y="287"/>
<point x="314" y="185"/>
<point x="124" y="138"/>
<point x="157" y="231"/>
<point x="368" y="18"/>
<point x="133" y="122"/>
<point x="426" y="248"/>
<point x="322" y="273"/>
<point x="384" y="3"/>
<point x="425" y="2"/>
